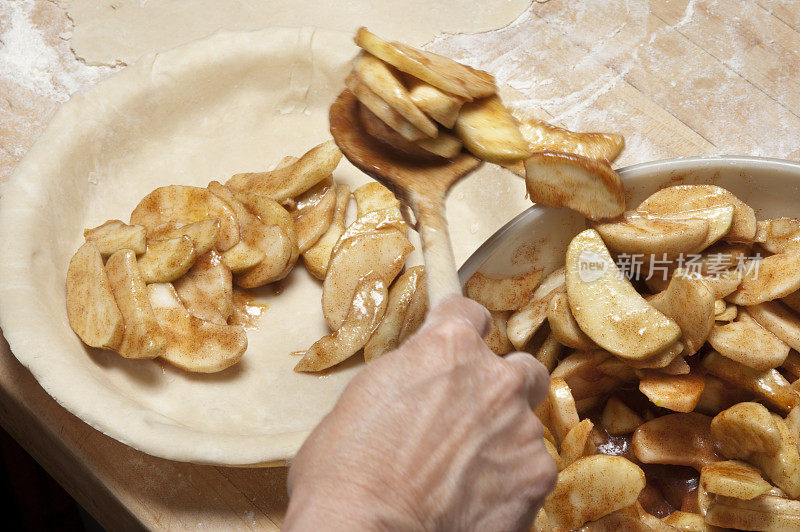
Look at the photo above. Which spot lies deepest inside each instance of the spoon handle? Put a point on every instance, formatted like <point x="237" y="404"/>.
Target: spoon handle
<point x="440" y="263"/>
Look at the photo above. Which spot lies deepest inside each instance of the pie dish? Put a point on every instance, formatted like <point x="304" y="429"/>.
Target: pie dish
<point x="231" y="103"/>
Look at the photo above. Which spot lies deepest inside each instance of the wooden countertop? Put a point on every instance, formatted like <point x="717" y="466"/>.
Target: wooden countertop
<point x="680" y="77"/>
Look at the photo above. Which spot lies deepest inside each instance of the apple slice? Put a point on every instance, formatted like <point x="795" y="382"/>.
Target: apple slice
<point x="143" y="337"/>
<point x="607" y="307"/>
<point x="680" y="520"/>
<point x="793" y="423"/>
<point x="278" y="247"/>
<point x="685" y="199"/>
<point x="782" y="467"/>
<point x="387" y="336"/>
<point x="115" y="235"/>
<point x="374" y="197"/>
<point x="726" y="313"/>
<point x="311" y="220"/>
<point x="577" y="444"/>
<point x="91" y="308"/>
<point x="792" y="366"/>
<point x="271" y="213"/>
<point x="242" y="257"/>
<point x="542" y="136"/>
<point x="592" y="487"/>
<point x="563" y="325"/>
<point x="614" y="367"/>
<point x="490" y="132"/>
<point x="732" y="478"/>
<point x="310" y="197"/>
<point x="380" y="255"/>
<point x="286" y="160"/>
<point x="765" y="512"/>
<point x="745" y="428"/>
<point x="187" y="205"/>
<point x="618" y="419"/>
<point x="194" y="344"/>
<point x="580" y="365"/>
<point x="640" y="234"/>
<point x="444" y="145"/>
<point x="683" y="439"/>
<point x="207" y="289"/>
<point x="317" y="257"/>
<point x="679" y="393"/>
<point x="668" y="360"/>
<point x="768" y="385"/>
<point x="719" y="218"/>
<point x="748" y="343"/>
<point x="746" y="432"/>
<point x="690" y="302"/>
<point x="497" y="337"/>
<point x="792" y="301"/>
<point x="380" y="129"/>
<point x="778" y="234"/>
<point x="417" y="311"/>
<point x="289" y="181"/>
<point x="377" y="210"/>
<point x="768" y="278"/>
<point x="437" y="70"/>
<point x="524" y="323"/>
<point x="434" y="102"/>
<point x="561" y="407"/>
<point x="584" y="185"/>
<point x="383" y="113"/>
<point x="779" y="320"/>
<point x="368" y="306"/>
<point x="724" y="284"/>
<point x="385" y="82"/>
<point x="729" y="479"/>
<point x="772" y="510"/>
<point x="719" y="395"/>
<point x="719" y="265"/>
<point x="166" y="260"/>
<point x="507" y="293"/>
<point x="547" y="350"/>
<point x="204" y="234"/>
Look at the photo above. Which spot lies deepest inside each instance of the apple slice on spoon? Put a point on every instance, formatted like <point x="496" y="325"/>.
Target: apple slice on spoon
<point x="584" y="185"/>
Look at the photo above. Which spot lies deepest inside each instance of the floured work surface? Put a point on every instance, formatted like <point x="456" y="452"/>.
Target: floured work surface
<point x="650" y="71"/>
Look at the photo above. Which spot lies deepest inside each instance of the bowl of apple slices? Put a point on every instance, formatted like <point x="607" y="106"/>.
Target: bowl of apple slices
<point x="670" y="332"/>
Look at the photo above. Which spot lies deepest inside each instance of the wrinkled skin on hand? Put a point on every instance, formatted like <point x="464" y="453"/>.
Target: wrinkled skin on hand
<point x="437" y="435"/>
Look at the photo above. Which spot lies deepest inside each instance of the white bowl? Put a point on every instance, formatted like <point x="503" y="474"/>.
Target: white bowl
<point x="538" y="237"/>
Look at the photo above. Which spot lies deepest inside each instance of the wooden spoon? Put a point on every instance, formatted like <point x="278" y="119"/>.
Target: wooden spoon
<point x="421" y="183"/>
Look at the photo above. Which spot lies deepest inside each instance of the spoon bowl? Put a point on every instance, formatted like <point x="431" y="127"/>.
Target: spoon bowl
<point x="421" y="183"/>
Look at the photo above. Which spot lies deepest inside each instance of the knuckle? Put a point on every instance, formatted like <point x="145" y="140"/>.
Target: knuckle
<point x="456" y="337"/>
<point x="537" y="428"/>
<point x="455" y="328"/>
<point x="513" y="377"/>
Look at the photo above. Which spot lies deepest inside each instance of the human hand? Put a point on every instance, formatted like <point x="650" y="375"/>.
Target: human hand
<point x="437" y="435"/>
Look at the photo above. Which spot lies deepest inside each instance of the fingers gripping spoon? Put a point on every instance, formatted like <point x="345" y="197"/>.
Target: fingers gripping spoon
<point x="421" y="183"/>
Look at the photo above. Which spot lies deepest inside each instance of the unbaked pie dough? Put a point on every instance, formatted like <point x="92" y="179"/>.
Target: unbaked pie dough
<point x="234" y="102"/>
<point x="113" y="31"/>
